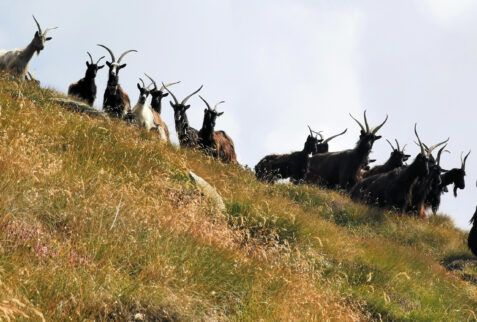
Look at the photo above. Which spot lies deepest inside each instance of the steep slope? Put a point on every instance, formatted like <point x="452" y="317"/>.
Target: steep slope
<point x="278" y="252"/>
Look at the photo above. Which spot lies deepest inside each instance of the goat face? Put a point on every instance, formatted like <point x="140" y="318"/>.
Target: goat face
<point x="114" y="69"/>
<point x="398" y="158"/>
<point x="366" y="140"/>
<point x="40" y="37"/>
<point x="92" y="69"/>
<point x="422" y="165"/>
<point x="312" y="144"/>
<point x="210" y="116"/>
<point x="143" y="93"/>
<point x="156" y="97"/>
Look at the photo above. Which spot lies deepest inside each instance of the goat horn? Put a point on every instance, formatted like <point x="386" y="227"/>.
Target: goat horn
<point x="184" y="101"/>
<point x="143" y="85"/>
<point x="153" y="82"/>
<point x="397" y="144"/>
<point x="110" y="52"/>
<point x="403" y="147"/>
<point x="376" y="129"/>
<point x="392" y="147"/>
<point x="38" y="25"/>
<point x="366" y="122"/>
<point x="438" y="159"/>
<point x="360" y="125"/>
<point x="99" y="59"/>
<point x="215" y="107"/>
<point x="465" y="160"/>
<point x="90" y="58"/>
<point x="48" y="30"/>
<point x="334" y="136"/>
<point x="125" y="53"/>
<point x="208" y="106"/>
<point x="419" y="140"/>
<point x="169" y="84"/>
<point x="173" y="96"/>
<point x="311" y="131"/>
<point x="433" y="147"/>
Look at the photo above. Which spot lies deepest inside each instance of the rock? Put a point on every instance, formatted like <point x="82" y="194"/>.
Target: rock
<point x="77" y="106"/>
<point x="208" y="191"/>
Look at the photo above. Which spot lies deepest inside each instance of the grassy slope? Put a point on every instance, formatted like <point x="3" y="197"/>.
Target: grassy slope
<point x="280" y="251"/>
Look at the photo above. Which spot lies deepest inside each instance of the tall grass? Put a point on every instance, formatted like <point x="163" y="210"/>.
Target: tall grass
<point x="278" y="253"/>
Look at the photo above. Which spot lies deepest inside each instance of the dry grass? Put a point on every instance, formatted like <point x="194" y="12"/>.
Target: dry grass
<point x="278" y="253"/>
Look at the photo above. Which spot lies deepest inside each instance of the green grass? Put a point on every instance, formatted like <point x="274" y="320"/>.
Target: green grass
<point x="279" y="252"/>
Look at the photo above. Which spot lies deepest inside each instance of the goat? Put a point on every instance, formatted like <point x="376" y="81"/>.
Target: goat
<point x="293" y="165"/>
<point x="425" y="185"/>
<point x="393" y="189"/>
<point x="188" y="136"/>
<point x="472" y="239"/>
<point x="454" y="176"/>
<point x="396" y="160"/>
<point x="215" y="143"/>
<point x="16" y="61"/>
<point x="116" y="102"/>
<point x="142" y="113"/>
<point x="85" y="88"/>
<point x="156" y="104"/>
<point x="342" y="169"/>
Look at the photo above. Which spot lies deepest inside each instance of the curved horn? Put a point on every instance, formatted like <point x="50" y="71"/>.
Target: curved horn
<point x="208" y="106"/>
<point x="38" y="25"/>
<point x="438" y="159"/>
<point x="215" y="107"/>
<point x="150" y="78"/>
<point x="99" y="59"/>
<point x="360" y="125"/>
<point x="169" y="84"/>
<point x="433" y="147"/>
<point x="397" y="144"/>
<point x="423" y="152"/>
<point x="465" y="160"/>
<point x="376" y="129"/>
<point x="366" y="122"/>
<point x="110" y="52"/>
<point x="173" y="96"/>
<point x="403" y="147"/>
<point x="392" y="147"/>
<point x="184" y="101"/>
<point x="125" y="53"/>
<point x="90" y="58"/>
<point x="334" y="136"/>
<point x="48" y="30"/>
<point x="143" y="85"/>
<point x="311" y="131"/>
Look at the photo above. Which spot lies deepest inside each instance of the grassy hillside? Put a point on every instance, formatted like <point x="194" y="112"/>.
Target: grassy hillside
<point x="278" y="253"/>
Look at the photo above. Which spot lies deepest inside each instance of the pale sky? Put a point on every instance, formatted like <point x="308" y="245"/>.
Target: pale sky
<point x="280" y="65"/>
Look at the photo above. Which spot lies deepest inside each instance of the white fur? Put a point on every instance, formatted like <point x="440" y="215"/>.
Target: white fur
<point x="143" y="114"/>
<point x="11" y="61"/>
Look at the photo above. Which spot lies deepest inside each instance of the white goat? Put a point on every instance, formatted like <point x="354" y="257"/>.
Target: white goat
<point x="142" y="112"/>
<point x="16" y="61"/>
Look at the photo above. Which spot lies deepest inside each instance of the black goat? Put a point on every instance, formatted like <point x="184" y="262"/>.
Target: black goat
<point x="116" y="102"/>
<point x="396" y="160"/>
<point x="393" y="189"/>
<point x="293" y="165"/>
<point x="425" y="185"/>
<point x="472" y="239"/>
<point x="85" y="88"/>
<point x="188" y="136"/>
<point x="215" y="143"/>
<point x="342" y="169"/>
<point x="454" y="176"/>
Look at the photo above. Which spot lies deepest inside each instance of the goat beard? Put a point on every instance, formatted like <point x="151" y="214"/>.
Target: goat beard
<point x="38" y="52"/>
<point x="455" y="191"/>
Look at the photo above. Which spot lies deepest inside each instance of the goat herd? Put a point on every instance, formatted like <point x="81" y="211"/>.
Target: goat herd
<point x="409" y="188"/>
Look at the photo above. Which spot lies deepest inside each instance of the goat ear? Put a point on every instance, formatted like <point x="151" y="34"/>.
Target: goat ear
<point x="99" y="67"/>
<point x="121" y="66"/>
<point x="205" y="110"/>
<point x="187" y="107"/>
<point x="87" y="63"/>
<point x="377" y="137"/>
<point x="218" y="114"/>
<point x="48" y="38"/>
<point x="165" y="94"/>
<point x="108" y="63"/>
<point x="170" y="102"/>
<point x="138" y="86"/>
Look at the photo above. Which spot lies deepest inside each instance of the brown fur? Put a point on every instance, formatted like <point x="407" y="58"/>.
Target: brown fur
<point x="160" y="123"/>
<point x="224" y="147"/>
